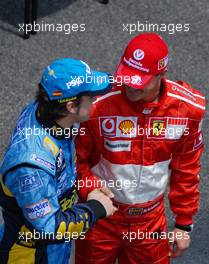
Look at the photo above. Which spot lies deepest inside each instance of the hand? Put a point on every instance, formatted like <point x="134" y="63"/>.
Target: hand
<point x="107" y="192"/>
<point x="181" y="242"/>
<point x="98" y="195"/>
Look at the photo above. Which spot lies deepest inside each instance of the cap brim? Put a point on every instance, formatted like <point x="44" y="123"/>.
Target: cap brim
<point x="132" y="77"/>
<point x="100" y="84"/>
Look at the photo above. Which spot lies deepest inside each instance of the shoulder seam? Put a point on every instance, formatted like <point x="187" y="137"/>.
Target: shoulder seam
<point x="194" y="94"/>
<point x="186" y="100"/>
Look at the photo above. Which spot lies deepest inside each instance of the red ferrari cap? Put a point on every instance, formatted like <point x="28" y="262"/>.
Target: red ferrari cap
<point x="145" y="56"/>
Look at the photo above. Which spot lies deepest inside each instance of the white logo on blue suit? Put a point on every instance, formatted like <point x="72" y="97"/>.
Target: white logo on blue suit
<point x="30" y="182"/>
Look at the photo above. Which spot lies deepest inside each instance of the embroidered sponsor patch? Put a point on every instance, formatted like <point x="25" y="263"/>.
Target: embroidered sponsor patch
<point x="135" y="64"/>
<point x="138" y="54"/>
<point x="140" y="211"/>
<point x="157" y="127"/>
<point x="162" y="63"/>
<point x="43" y="162"/>
<point x="167" y="127"/>
<point x="38" y="210"/>
<point x="61" y="183"/>
<point x="60" y="161"/>
<point x="74" y="82"/>
<point x="68" y="199"/>
<point x="147" y="111"/>
<point x="118" y="126"/>
<point x="30" y="182"/>
<point x="136" y="79"/>
<point x="176" y="127"/>
<point x="126" y="126"/>
<point x="108" y="126"/>
<point x="117" y="146"/>
<point x="135" y="211"/>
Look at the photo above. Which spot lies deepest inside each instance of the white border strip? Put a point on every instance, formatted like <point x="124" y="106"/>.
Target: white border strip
<point x="106" y="96"/>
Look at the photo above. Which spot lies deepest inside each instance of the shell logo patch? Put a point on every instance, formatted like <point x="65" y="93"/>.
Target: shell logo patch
<point x="126" y="126"/>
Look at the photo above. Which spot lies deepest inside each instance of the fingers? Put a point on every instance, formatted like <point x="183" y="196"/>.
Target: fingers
<point x="114" y="210"/>
<point x="171" y="249"/>
<point x="103" y="196"/>
<point x="181" y="247"/>
<point x="95" y="194"/>
<point x="110" y="208"/>
<point x="107" y="192"/>
<point x="175" y="251"/>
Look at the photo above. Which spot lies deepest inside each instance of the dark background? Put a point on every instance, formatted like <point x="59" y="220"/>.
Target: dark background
<point x="101" y="45"/>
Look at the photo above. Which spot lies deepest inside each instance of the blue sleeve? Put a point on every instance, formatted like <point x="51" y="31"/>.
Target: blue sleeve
<point x="35" y="193"/>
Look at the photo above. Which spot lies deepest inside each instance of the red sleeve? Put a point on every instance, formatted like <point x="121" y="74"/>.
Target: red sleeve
<point x="87" y="156"/>
<point x="184" y="181"/>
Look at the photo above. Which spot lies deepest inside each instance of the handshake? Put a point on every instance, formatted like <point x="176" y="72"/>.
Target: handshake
<point x="104" y="196"/>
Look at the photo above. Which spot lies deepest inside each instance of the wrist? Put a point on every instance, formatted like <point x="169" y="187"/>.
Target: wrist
<point x="186" y="228"/>
<point x="97" y="208"/>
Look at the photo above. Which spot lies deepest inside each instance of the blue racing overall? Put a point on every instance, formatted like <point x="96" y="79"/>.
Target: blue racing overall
<point x="37" y="193"/>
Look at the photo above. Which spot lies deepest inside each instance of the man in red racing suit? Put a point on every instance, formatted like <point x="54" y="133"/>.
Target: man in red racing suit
<point x="140" y="136"/>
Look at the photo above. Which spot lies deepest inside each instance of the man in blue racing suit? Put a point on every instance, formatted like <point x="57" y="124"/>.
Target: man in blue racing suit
<point x="38" y="173"/>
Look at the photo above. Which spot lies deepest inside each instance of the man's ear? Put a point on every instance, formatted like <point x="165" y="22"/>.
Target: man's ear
<point x="71" y="108"/>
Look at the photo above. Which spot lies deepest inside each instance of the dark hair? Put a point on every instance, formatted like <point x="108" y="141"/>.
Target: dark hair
<point x="51" y="110"/>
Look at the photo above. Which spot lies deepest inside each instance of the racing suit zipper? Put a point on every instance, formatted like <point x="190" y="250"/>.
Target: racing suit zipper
<point x="142" y="142"/>
<point x="141" y="158"/>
